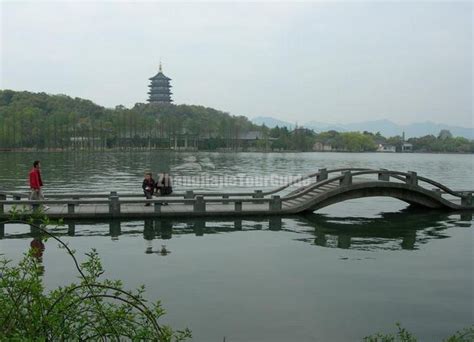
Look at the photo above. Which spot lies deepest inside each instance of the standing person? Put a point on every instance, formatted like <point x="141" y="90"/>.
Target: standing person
<point x="36" y="194"/>
<point x="164" y="185"/>
<point x="148" y="186"/>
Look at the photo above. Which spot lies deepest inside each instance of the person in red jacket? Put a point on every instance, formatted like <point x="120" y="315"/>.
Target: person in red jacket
<point x="35" y="185"/>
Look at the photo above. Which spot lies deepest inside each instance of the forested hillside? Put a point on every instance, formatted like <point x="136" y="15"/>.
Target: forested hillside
<point x="43" y="121"/>
<point x="40" y="120"/>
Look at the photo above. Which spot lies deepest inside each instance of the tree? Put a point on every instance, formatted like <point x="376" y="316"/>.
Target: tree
<point x="444" y="134"/>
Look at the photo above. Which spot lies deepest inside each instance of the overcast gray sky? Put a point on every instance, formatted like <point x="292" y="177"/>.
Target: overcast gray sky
<point x="323" y="61"/>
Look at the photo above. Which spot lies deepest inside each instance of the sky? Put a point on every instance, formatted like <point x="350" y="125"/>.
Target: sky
<point x="334" y="62"/>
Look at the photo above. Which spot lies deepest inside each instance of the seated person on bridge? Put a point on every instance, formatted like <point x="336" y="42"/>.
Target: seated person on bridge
<point x="148" y="186"/>
<point x="164" y="185"/>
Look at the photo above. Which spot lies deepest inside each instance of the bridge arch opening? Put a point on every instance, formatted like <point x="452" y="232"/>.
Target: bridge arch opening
<point x="364" y="207"/>
<point x="395" y="194"/>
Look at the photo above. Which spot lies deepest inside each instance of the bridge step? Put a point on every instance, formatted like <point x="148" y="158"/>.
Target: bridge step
<point x="299" y="201"/>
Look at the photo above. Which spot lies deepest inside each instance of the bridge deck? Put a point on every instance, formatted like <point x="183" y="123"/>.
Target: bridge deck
<point x="321" y="191"/>
<point x="87" y="211"/>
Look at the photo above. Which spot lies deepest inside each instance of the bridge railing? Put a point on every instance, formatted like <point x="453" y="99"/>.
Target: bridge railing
<point x="322" y="178"/>
<point x="345" y="179"/>
<point x="321" y="174"/>
<point x="114" y="203"/>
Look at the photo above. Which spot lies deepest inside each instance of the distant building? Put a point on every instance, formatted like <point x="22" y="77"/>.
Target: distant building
<point x="407" y="147"/>
<point x="160" y="88"/>
<point x="386" y="148"/>
<point x="322" y="147"/>
<point x="250" y="136"/>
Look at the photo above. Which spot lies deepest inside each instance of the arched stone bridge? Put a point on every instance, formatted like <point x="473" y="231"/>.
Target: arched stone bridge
<point x="313" y="192"/>
<point x="331" y="187"/>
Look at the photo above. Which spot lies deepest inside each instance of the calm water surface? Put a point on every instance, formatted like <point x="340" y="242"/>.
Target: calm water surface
<point x="342" y="273"/>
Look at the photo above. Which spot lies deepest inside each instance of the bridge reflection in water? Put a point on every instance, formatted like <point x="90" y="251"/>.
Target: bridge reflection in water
<point x="403" y="230"/>
<point x="390" y="231"/>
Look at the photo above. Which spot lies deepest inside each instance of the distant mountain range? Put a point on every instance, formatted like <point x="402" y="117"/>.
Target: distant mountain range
<point x="385" y="127"/>
<point x="271" y="122"/>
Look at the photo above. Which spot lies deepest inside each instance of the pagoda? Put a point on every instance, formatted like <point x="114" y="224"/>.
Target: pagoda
<point x="160" y="88"/>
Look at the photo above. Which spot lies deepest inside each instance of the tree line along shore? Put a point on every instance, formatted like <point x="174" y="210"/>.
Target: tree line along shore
<point x="39" y="121"/>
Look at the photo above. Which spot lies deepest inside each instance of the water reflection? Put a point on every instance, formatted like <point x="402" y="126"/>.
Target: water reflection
<point x="37" y="247"/>
<point x="405" y="230"/>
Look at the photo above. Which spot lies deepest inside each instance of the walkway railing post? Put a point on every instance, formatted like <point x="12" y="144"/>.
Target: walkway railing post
<point x="323" y="175"/>
<point x="257" y="194"/>
<point x="199" y="204"/>
<point x="157" y="206"/>
<point x="2" y="198"/>
<point x="412" y="178"/>
<point x="275" y="203"/>
<point x="70" y="207"/>
<point x="238" y="224"/>
<point x="384" y="176"/>
<point x="189" y="194"/>
<point x="466" y="199"/>
<point x="114" y="204"/>
<point x="238" y="206"/>
<point x="71" y="229"/>
<point x="347" y="179"/>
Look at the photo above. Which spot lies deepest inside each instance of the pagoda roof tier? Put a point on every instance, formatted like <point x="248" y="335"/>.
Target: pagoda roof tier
<point x="154" y="99"/>
<point x="160" y="76"/>
<point x="159" y="95"/>
<point x="155" y="93"/>
<point x="159" y="85"/>
<point x="161" y="80"/>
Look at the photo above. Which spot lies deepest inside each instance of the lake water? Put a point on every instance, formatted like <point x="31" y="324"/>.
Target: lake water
<point x="347" y="271"/>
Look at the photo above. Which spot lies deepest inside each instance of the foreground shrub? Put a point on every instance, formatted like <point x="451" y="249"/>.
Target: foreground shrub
<point x="93" y="308"/>
<point x="402" y="335"/>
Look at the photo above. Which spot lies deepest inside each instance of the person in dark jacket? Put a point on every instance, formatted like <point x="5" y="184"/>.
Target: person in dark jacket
<point x="148" y="186"/>
<point x="164" y="186"/>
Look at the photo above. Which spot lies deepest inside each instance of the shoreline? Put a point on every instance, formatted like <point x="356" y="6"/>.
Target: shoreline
<point x="112" y="150"/>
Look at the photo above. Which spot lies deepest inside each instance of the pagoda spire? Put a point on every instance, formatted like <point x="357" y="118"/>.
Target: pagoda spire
<point x="161" y="69"/>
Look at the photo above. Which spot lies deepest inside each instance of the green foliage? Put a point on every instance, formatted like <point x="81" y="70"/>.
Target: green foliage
<point x="402" y="335"/>
<point x="304" y="140"/>
<point x="443" y="143"/>
<point x="465" y="335"/>
<point x="93" y="308"/>
<point x="40" y="120"/>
